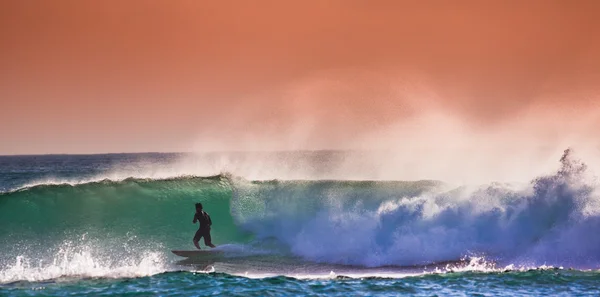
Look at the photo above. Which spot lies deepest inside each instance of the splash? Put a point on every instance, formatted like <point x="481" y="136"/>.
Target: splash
<point x="83" y="262"/>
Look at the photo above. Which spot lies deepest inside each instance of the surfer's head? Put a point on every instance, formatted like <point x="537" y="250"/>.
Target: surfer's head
<point x="198" y="206"/>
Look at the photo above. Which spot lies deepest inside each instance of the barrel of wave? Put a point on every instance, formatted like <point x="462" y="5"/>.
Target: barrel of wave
<point x="142" y="212"/>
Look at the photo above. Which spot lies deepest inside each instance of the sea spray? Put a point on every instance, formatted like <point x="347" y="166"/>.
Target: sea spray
<point x="73" y="260"/>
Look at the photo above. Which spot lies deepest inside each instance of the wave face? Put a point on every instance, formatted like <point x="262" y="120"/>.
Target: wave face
<point x="156" y="211"/>
<point x="106" y="226"/>
<point x="552" y="221"/>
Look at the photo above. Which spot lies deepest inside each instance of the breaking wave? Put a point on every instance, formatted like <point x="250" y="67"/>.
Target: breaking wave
<point x="130" y="225"/>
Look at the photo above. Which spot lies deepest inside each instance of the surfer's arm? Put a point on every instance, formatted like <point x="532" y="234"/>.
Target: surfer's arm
<point x="195" y="219"/>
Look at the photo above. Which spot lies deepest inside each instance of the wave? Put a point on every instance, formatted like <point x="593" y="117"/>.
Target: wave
<point x="551" y="221"/>
<point x="548" y="222"/>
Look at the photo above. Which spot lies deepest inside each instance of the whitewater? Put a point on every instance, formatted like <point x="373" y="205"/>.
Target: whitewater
<point x="97" y="223"/>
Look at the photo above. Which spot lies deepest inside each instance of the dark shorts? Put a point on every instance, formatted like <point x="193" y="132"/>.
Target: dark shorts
<point x="204" y="232"/>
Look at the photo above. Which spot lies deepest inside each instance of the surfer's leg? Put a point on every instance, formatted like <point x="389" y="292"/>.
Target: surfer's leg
<point x="208" y="239"/>
<point x="197" y="239"/>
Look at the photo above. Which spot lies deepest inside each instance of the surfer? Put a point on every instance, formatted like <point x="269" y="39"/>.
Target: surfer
<point x="204" y="229"/>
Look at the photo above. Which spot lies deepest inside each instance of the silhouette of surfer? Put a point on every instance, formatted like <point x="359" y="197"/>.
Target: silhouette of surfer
<point x="204" y="229"/>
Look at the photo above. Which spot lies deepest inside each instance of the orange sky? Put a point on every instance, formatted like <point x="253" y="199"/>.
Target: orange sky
<point x="123" y="76"/>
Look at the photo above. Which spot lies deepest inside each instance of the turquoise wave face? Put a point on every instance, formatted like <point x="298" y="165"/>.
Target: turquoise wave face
<point x="153" y="212"/>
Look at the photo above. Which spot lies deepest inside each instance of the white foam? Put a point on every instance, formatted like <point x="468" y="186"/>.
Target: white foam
<point x="80" y="263"/>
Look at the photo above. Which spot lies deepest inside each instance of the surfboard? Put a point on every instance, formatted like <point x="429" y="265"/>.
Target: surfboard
<point x="194" y="253"/>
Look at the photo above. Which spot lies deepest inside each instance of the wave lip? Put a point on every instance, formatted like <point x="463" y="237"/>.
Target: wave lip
<point x="102" y="180"/>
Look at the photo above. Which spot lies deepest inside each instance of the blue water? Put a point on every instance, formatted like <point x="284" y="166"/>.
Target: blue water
<point x="105" y="225"/>
<point x="529" y="283"/>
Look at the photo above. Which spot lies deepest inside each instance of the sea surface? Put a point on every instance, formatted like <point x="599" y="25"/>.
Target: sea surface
<point x="289" y="224"/>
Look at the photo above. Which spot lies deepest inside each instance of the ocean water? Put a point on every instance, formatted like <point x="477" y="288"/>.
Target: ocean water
<point x="105" y="225"/>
